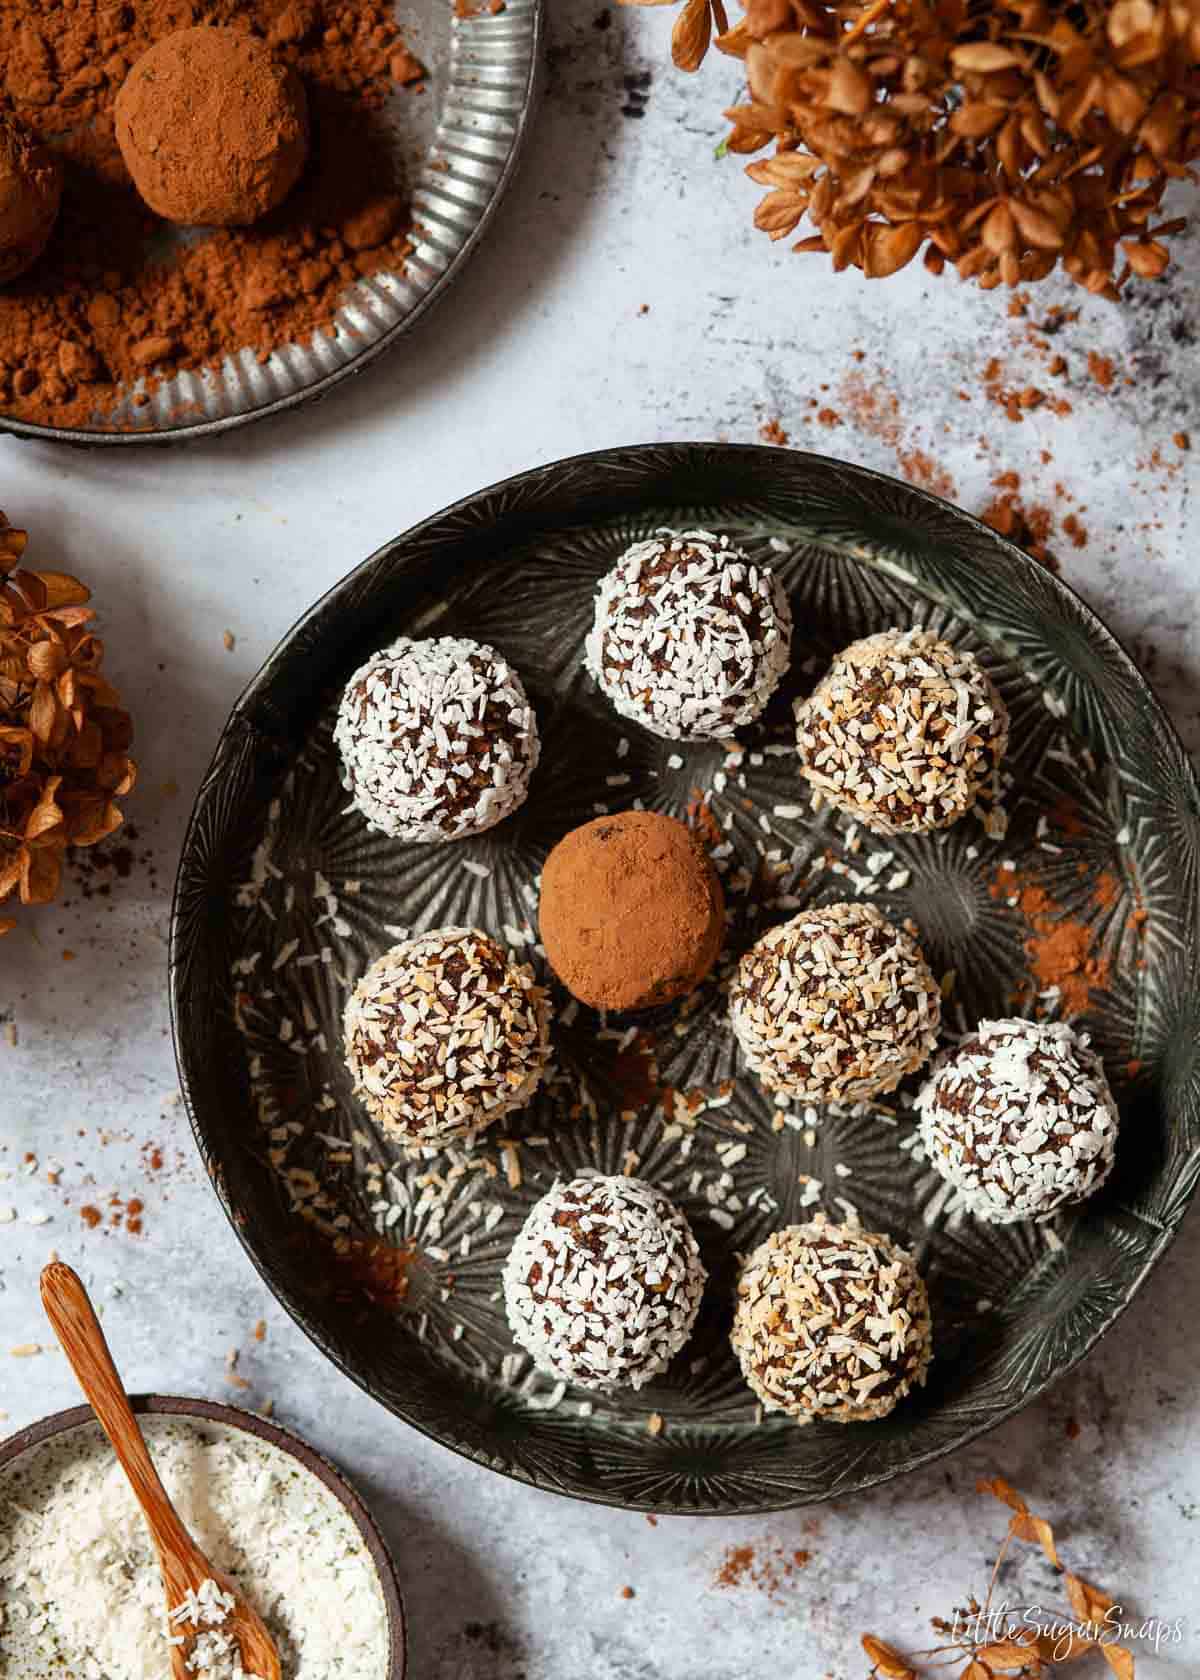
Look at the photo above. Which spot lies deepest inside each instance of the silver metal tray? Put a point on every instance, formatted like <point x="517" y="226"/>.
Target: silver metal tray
<point x="459" y="146"/>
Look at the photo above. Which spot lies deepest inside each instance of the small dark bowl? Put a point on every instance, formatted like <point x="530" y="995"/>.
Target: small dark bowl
<point x="1104" y="816"/>
<point x="170" y="1405"/>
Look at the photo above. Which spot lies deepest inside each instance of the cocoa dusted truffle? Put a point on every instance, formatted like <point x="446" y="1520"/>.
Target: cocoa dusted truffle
<point x="212" y="126"/>
<point x="904" y="732"/>
<point x="632" y="912"/>
<point x="831" y="1322"/>
<point x="445" y="1035"/>
<point x="30" y="189"/>
<point x="836" y="1005"/>
<point x="690" y="636"/>
<point x="603" y="1282"/>
<point x="437" y="739"/>
<point x="1020" y="1119"/>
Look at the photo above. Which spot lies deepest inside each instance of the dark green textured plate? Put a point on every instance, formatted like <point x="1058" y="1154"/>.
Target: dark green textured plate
<point x="284" y="897"/>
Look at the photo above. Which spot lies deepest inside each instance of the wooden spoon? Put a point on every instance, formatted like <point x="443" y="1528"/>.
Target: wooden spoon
<point x="184" y="1566"/>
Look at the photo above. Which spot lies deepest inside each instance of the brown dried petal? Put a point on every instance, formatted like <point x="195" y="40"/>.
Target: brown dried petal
<point x="1119" y="1660"/>
<point x="984" y="57"/>
<point x="888" y="1661"/>
<point x="691" y="35"/>
<point x="849" y="90"/>
<point x="1035" y="226"/>
<point x="891" y="249"/>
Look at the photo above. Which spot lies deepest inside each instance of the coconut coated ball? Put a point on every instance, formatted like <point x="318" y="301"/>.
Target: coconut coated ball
<point x="904" y="732"/>
<point x="213" y="128"/>
<point x="30" y="189"/>
<point x="1020" y="1119"/>
<point x="831" y="1322"/>
<point x="835" y="1005"/>
<point x="445" y="1035"/>
<point x="690" y="636"/>
<point x="603" y="1282"/>
<point x="631" y="912"/>
<point x="437" y="738"/>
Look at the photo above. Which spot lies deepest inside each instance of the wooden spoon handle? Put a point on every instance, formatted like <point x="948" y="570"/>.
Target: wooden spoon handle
<point x="78" y="1329"/>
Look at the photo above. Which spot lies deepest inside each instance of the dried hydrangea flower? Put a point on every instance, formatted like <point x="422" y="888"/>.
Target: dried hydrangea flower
<point x="1006" y="140"/>
<point x="64" y="737"/>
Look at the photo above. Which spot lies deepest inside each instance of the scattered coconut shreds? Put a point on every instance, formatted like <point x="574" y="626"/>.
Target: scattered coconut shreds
<point x="655" y="1424"/>
<point x="947" y="732"/>
<point x="994" y="1640"/>
<point x="690" y="637"/>
<point x="470" y="738"/>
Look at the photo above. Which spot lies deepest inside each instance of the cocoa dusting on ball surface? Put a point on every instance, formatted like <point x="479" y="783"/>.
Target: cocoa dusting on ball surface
<point x="109" y="308"/>
<point x="831" y="1322"/>
<point x="212" y="127"/>
<point x="30" y="189"/>
<point x="1020" y="1119"/>
<point x="836" y="1004"/>
<point x="632" y="912"/>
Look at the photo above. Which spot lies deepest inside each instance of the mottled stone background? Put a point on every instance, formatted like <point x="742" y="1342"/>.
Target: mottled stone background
<point x="623" y="297"/>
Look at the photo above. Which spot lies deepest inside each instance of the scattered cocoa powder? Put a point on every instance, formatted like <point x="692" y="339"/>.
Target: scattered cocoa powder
<point x="1060" y="947"/>
<point x="1030" y="526"/>
<point x="103" y="308"/>
<point x="1101" y="369"/>
<point x="769" y="1568"/>
<point x="771" y="431"/>
<point x="90" y="1215"/>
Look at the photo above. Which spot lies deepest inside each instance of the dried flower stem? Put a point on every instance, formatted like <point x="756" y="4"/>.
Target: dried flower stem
<point x="1020" y="1651"/>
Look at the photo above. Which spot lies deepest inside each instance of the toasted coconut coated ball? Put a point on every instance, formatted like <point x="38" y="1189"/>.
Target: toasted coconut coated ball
<point x="445" y="1035"/>
<point x="831" y="1322"/>
<point x="690" y="636"/>
<point x="836" y="1005"/>
<point x="30" y="189"/>
<point x="1020" y="1119"/>
<point x="212" y="126"/>
<point x="437" y="738"/>
<point x="603" y="1282"/>
<point x="632" y="912"/>
<point x="904" y="732"/>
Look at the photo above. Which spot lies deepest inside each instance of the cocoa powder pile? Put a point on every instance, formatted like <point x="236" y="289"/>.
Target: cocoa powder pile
<point x="110" y="302"/>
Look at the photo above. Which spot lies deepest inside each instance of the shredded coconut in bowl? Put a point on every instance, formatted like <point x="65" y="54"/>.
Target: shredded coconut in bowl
<point x="81" y="1597"/>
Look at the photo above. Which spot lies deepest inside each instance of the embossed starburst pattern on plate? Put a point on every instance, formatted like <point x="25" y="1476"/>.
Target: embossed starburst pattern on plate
<point x="284" y="898"/>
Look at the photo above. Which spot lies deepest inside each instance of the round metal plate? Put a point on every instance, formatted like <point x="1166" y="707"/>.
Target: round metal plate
<point x="466" y="131"/>
<point x="283" y="898"/>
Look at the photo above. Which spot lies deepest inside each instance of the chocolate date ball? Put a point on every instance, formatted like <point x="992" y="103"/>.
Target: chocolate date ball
<point x="632" y="912"/>
<point x="904" y="732"/>
<point x="30" y="189"/>
<point x="437" y="738"/>
<point x="212" y="126"/>
<point x="603" y="1282"/>
<point x="690" y="636"/>
<point x="831" y="1323"/>
<point x="444" y="1035"/>
<point x="836" y="1005"/>
<point x="1020" y="1119"/>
